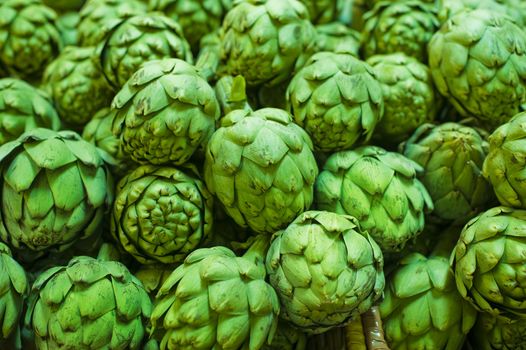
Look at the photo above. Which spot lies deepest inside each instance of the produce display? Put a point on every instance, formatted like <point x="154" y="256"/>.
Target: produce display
<point x="263" y="174"/>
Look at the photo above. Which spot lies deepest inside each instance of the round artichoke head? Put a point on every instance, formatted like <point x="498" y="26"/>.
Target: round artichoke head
<point x="261" y="167"/>
<point x="165" y="112"/>
<point x="478" y="61"/>
<point x="325" y="270"/>
<point x="492" y="333"/>
<point x="337" y="99"/>
<point x="380" y="189"/>
<point x="489" y="262"/>
<point x="263" y="39"/>
<point x="88" y="304"/>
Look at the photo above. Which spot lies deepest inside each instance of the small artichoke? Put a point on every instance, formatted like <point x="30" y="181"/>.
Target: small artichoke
<point x="325" y="270"/>
<point x="261" y="167"/>
<point x="380" y="189"/>
<point x="165" y="112"/>
<point x="337" y="99"/>
<point x="491" y="333"/>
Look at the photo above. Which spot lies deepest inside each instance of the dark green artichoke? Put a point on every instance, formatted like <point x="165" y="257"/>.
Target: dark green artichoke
<point x="492" y="333"/>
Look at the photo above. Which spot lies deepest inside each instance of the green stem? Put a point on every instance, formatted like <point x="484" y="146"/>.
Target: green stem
<point x="108" y="252"/>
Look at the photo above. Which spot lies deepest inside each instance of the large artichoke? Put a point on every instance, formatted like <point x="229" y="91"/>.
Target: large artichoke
<point x="165" y="112"/>
<point x="380" y="189"/>
<point x="325" y="269"/>
<point x="260" y="165"/>
<point x="492" y="333"/>
<point x="263" y="39"/>
<point x="478" y="61"/>
<point x="336" y="99"/>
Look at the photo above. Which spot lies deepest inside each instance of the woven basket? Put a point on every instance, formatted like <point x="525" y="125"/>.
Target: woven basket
<point x="362" y="334"/>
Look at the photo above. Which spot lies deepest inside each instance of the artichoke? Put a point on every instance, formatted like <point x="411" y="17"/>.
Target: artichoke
<point x="88" y="304"/>
<point x="216" y="300"/>
<point x="489" y="263"/>
<point x="492" y="333"/>
<point x="29" y="38"/>
<point x="23" y="108"/>
<point x="325" y="270"/>
<point x="55" y="189"/>
<point x="165" y="112"/>
<point x="337" y="99"/>
<point x="76" y="85"/>
<point x="380" y="189"/>
<point x="410" y="97"/>
<point x="141" y="39"/>
<point x="161" y="214"/>
<point x="478" y="61"/>
<point x="264" y="39"/>
<point x="399" y="26"/>
<point x="261" y="167"/>
<point x="451" y="155"/>
<point x="338" y="38"/>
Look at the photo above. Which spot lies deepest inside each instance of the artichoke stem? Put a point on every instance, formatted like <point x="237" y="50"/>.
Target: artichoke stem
<point x="354" y="334"/>
<point x="373" y="329"/>
<point x="108" y="252"/>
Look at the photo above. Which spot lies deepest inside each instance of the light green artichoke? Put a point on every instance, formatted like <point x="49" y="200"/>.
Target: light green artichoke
<point x="263" y="39"/>
<point x="140" y="39"/>
<point x="67" y="26"/>
<point x="165" y="112"/>
<point x="65" y="5"/>
<point x="161" y="214"/>
<point x="325" y="269"/>
<point x="380" y="189"/>
<point x="410" y="97"/>
<point x="489" y="263"/>
<point x="451" y="155"/>
<point x="29" y="38"/>
<point x="491" y="333"/>
<point x="336" y="37"/>
<point x="23" y="108"/>
<point x="88" y="304"/>
<point x="478" y="61"/>
<point x="399" y="26"/>
<point x="216" y="300"/>
<point x="55" y="190"/>
<point x="76" y="85"/>
<point x="337" y="99"/>
<point x="287" y="338"/>
<point x="261" y="167"/>
<point x="505" y="164"/>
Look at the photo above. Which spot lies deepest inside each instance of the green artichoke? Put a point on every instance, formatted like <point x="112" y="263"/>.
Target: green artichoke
<point x="505" y="164"/>
<point x="491" y="333"/>
<point x="140" y="39"/>
<point x="478" y="61"/>
<point x="410" y="97"/>
<point x="287" y="338"/>
<point x="489" y="263"/>
<point x="261" y="167"/>
<point x="264" y="39"/>
<point x="23" y="108"/>
<point x="451" y="155"/>
<point x="161" y="214"/>
<point x="336" y="37"/>
<point x="399" y="26"/>
<point x="216" y="300"/>
<point x="325" y="269"/>
<point x="380" y="189"/>
<point x="65" y="5"/>
<point x="67" y="25"/>
<point x="76" y="85"/>
<point x="337" y="99"/>
<point x="165" y="112"/>
<point x="88" y="304"/>
<point x="29" y="38"/>
<point x="55" y="189"/>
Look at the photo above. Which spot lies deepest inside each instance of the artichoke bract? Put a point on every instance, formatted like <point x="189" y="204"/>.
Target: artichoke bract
<point x="492" y="333"/>
<point x="380" y="189"/>
<point x="76" y="85"/>
<point x="488" y="262"/>
<point x="216" y="300"/>
<point x="161" y="214"/>
<point x="261" y="167"/>
<point x="263" y="39"/>
<point x="337" y="99"/>
<point x="451" y="155"/>
<point x="88" y="304"/>
<point x="325" y="269"/>
<point x="478" y="61"/>
<point x="165" y="112"/>
<point x="29" y="38"/>
<point x="23" y="108"/>
<point x="410" y="97"/>
<point x="67" y="25"/>
<point x="231" y="94"/>
<point x="55" y="189"/>
<point x="140" y="39"/>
